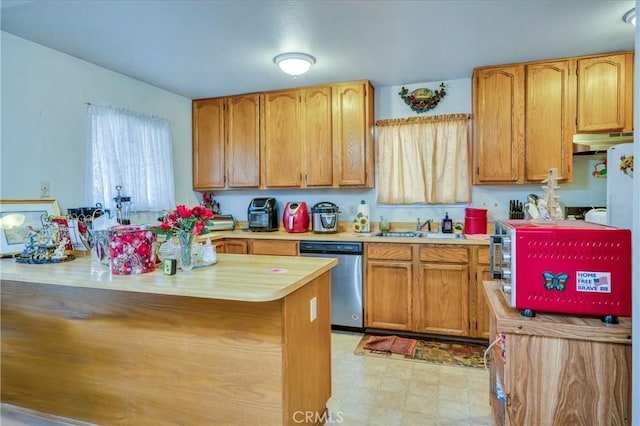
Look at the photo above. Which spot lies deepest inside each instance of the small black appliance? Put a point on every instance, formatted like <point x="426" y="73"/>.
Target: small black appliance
<point x="262" y="214"/>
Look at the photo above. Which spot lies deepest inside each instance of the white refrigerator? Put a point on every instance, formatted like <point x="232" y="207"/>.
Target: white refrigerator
<point x="619" y="185"/>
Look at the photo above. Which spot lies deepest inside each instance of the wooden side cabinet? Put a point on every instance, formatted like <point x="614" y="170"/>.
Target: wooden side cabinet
<point x="557" y="369"/>
<point x="441" y="303"/>
<point x="389" y="284"/>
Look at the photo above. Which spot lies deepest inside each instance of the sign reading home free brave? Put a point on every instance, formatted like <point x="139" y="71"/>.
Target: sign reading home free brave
<point x="593" y="282"/>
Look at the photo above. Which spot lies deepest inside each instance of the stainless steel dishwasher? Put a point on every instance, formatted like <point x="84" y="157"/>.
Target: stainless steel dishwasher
<point x="347" y="309"/>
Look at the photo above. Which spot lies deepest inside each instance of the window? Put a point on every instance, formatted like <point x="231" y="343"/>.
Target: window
<point x="132" y="150"/>
<point x="424" y="160"/>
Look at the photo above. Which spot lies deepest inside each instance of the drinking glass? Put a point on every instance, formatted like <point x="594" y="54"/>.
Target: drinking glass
<point x="384" y="225"/>
<point x="100" y="243"/>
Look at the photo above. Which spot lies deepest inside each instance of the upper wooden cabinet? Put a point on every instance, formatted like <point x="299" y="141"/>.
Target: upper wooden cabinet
<point x="243" y="141"/>
<point x="605" y="93"/>
<point x="525" y="115"/>
<point x="296" y="140"/>
<point x="549" y="120"/>
<point x="281" y="139"/>
<point x="319" y="136"/>
<point x="353" y="112"/>
<point x="208" y="143"/>
<point x="498" y="128"/>
<point x="226" y="138"/>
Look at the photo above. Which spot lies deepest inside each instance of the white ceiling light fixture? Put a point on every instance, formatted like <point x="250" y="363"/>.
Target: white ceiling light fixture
<point x="294" y="63"/>
<point x="630" y="17"/>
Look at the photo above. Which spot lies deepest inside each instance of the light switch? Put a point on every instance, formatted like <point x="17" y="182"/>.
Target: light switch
<point x="313" y="311"/>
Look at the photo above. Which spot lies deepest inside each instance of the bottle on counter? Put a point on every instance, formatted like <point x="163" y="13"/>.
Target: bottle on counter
<point x="363" y="216"/>
<point x="447" y="224"/>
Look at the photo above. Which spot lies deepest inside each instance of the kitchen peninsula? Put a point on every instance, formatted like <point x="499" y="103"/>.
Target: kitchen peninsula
<point x="245" y="341"/>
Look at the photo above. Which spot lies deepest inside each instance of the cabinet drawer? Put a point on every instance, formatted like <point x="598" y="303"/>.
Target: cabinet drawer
<point x="444" y="253"/>
<point x="275" y="247"/>
<point x="483" y="255"/>
<point x="389" y="251"/>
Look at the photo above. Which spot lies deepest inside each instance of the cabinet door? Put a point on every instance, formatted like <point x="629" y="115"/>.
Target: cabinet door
<point x="442" y="305"/>
<point x="236" y="246"/>
<point x="275" y="247"/>
<point x="602" y="92"/>
<point x="282" y="144"/>
<point x="219" y="246"/>
<point x="479" y="310"/>
<point x="498" y="129"/>
<point x="483" y="273"/>
<point x="243" y="136"/>
<point x="388" y="295"/>
<point x="208" y="144"/>
<point x="550" y="126"/>
<point x="353" y="134"/>
<point x="317" y="136"/>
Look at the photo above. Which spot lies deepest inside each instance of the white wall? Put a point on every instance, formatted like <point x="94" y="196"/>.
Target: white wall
<point x="44" y="96"/>
<point x="44" y="121"/>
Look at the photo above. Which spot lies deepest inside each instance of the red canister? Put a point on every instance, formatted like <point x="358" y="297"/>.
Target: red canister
<point x="133" y="250"/>
<point x="475" y="221"/>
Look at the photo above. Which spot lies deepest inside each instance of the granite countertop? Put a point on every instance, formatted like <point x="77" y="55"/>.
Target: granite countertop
<point x="247" y="278"/>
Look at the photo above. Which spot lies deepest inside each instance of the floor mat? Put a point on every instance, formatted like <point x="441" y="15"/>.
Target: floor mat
<point x="433" y="351"/>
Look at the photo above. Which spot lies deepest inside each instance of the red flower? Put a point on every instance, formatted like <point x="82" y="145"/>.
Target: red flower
<point x="184" y="219"/>
<point x="198" y="228"/>
<point x="183" y="211"/>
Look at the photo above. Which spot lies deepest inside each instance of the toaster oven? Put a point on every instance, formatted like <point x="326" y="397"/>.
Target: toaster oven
<point x="566" y="267"/>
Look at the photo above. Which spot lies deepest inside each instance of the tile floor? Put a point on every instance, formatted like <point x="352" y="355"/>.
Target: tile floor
<point x="378" y="391"/>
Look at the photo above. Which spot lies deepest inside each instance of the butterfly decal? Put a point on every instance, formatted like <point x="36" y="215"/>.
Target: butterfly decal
<point x="555" y="282"/>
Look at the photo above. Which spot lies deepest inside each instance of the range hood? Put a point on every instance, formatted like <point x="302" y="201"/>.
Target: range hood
<point x="601" y="141"/>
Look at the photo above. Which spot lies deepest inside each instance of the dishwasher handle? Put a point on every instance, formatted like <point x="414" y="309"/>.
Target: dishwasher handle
<point x="325" y="247"/>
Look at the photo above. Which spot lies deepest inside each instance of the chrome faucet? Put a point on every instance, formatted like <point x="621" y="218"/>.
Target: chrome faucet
<point x="427" y="222"/>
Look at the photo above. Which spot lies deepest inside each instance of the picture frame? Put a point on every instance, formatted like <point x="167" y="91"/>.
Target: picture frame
<point x="16" y="216"/>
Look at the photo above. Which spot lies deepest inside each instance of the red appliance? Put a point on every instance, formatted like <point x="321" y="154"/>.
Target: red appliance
<point x="567" y="267"/>
<point x="296" y="217"/>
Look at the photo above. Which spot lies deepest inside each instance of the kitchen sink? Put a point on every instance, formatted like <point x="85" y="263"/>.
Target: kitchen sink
<point x="415" y="234"/>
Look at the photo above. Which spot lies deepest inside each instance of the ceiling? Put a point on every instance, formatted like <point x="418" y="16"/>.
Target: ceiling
<point x="204" y="49"/>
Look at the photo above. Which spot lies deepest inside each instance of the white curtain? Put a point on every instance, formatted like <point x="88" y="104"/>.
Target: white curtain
<point x="132" y="150"/>
<point x="424" y="160"/>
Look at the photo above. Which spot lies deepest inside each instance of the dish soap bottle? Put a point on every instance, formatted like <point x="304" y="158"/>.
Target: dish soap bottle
<point x="362" y="217"/>
<point x="447" y="224"/>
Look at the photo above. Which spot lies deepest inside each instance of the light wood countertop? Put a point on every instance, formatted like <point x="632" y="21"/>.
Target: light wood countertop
<point x="243" y="277"/>
<point x="342" y="236"/>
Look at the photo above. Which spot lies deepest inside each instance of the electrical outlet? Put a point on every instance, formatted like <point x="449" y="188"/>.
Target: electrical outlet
<point x="45" y="189"/>
<point x="353" y="210"/>
<point x="313" y="309"/>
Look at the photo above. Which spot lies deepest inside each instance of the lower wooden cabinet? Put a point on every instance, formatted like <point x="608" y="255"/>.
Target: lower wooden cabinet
<point x="236" y="246"/>
<point x="389" y="286"/>
<point x="480" y="315"/>
<point x="441" y="304"/>
<point x="426" y="288"/>
<point x="275" y="247"/>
